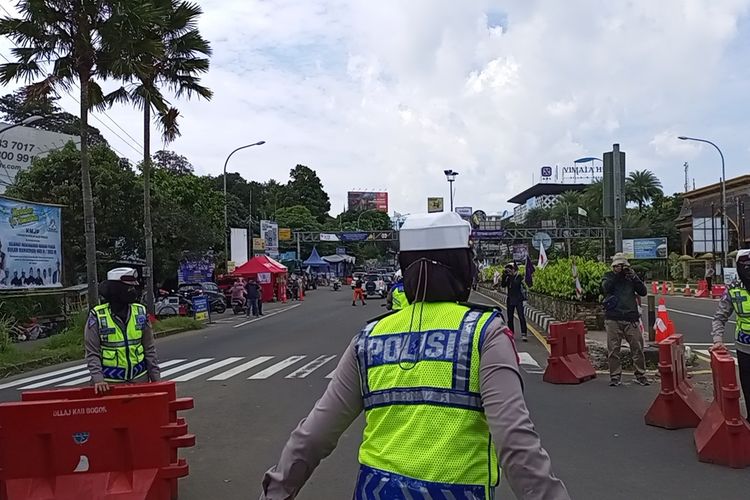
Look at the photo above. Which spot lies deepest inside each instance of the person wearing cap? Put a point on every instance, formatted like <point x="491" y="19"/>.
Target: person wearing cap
<point x="396" y="299"/>
<point x="622" y="318"/>
<point x="440" y="386"/>
<point x="737" y="299"/>
<point x="513" y="281"/>
<point x="118" y="338"/>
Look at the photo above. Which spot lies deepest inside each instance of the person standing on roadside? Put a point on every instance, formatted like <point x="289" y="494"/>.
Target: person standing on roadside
<point x="710" y="273"/>
<point x="513" y="281"/>
<point x="251" y="295"/>
<point x="621" y="286"/>
<point x="118" y="339"/>
<point x="737" y="299"/>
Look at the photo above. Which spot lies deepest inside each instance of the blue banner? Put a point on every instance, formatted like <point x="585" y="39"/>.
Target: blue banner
<point x="200" y="308"/>
<point x="645" y="248"/>
<point x="30" y="245"/>
<point x="487" y="234"/>
<point x="357" y="236"/>
<point x="195" y="271"/>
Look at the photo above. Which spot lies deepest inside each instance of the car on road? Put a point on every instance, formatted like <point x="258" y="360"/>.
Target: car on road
<point x="375" y="286"/>
<point x="211" y="290"/>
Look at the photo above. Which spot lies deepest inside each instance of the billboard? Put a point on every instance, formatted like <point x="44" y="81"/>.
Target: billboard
<point x="645" y="248"/>
<point x="368" y="200"/>
<point x="20" y="145"/>
<point x="238" y="245"/>
<point x="285" y="234"/>
<point x="195" y="271"/>
<point x="269" y="231"/>
<point x="434" y="205"/>
<point x="30" y="244"/>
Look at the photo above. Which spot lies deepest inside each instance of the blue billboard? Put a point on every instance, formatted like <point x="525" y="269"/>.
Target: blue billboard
<point x="30" y="244"/>
<point x="645" y="248"/>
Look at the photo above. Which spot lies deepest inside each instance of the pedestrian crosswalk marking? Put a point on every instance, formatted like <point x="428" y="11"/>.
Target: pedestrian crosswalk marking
<point x="34" y="378"/>
<point x="241" y="368"/>
<point x="273" y="369"/>
<point x="206" y="369"/>
<point x="310" y="367"/>
<point x="87" y="378"/>
<point x="219" y="369"/>
<point x="185" y="367"/>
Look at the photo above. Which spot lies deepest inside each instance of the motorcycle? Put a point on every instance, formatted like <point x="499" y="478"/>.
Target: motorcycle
<point x="238" y="306"/>
<point x="336" y="285"/>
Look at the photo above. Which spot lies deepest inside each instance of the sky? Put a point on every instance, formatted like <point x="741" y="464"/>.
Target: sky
<point x="386" y="95"/>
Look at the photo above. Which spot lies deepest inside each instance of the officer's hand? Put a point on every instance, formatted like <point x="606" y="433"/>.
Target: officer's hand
<point x="718" y="346"/>
<point x="101" y="387"/>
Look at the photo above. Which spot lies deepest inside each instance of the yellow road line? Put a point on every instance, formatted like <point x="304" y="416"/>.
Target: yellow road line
<point x="533" y="330"/>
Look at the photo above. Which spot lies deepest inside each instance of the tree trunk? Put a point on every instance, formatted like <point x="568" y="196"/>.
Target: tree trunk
<point x="147" y="229"/>
<point x="89" y="220"/>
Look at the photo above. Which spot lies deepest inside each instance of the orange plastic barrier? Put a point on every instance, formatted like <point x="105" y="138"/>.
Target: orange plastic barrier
<point x="174" y="433"/>
<point x="568" y="360"/>
<point x="717" y="291"/>
<point x="678" y="405"/>
<point x="654" y="287"/>
<point x="723" y="436"/>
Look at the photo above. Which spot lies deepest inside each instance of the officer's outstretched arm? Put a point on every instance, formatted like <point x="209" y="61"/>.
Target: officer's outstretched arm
<point x="316" y="436"/>
<point x="723" y="313"/>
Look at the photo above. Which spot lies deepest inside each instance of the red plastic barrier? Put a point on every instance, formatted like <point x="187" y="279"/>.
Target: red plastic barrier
<point x="678" y="405"/>
<point x="178" y="425"/>
<point x="568" y="360"/>
<point x="702" y="289"/>
<point x="654" y="287"/>
<point x="108" y="448"/>
<point x="723" y="436"/>
<point x="717" y="291"/>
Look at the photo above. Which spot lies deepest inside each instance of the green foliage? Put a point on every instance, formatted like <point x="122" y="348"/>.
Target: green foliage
<point x="556" y="279"/>
<point x="304" y="188"/>
<point x="6" y="323"/>
<point x="178" y="323"/>
<point x="675" y="267"/>
<point x="641" y="187"/>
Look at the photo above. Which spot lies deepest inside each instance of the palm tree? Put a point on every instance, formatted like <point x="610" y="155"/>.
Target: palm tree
<point x="641" y="186"/>
<point x="176" y="67"/>
<point x="59" y="43"/>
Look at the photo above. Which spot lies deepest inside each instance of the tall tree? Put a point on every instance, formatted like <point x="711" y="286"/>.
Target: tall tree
<point x="184" y="56"/>
<point x="171" y="161"/>
<point x="641" y="187"/>
<point x="304" y="188"/>
<point x="61" y="42"/>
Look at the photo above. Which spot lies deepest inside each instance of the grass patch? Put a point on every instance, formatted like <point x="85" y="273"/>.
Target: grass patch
<point x="178" y="323"/>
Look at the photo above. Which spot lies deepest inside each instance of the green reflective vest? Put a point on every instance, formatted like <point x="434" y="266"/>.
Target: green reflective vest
<point x="398" y="297"/>
<point x="426" y="434"/>
<point x="122" y="353"/>
<point x="741" y="304"/>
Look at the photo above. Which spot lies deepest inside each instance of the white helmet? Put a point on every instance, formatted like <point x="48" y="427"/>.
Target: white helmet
<point x="127" y="275"/>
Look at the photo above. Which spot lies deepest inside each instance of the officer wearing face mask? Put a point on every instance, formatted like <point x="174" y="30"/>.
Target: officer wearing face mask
<point x="737" y="300"/>
<point x="440" y="386"/>
<point x="118" y="337"/>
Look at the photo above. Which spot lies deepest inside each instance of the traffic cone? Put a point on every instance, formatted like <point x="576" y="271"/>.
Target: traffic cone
<point x="663" y="326"/>
<point x="687" y="292"/>
<point x="664" y="290"/>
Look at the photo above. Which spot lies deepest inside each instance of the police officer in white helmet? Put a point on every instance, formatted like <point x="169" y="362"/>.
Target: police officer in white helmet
<point x="118" y="338"/>
<point x="440" y="386"/>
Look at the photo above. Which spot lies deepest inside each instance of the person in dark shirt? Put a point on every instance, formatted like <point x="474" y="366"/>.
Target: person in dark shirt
<point x="622" y="318"/>
<point x="38" y="281"/>
<point x="16" y="281"/>
<point x="251" y="294"/>
<point x="30" y="279"/>
<point x="513" y="281"/>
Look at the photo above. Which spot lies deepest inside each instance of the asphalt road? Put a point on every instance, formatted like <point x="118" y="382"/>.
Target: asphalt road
<point x="252" y="383"/>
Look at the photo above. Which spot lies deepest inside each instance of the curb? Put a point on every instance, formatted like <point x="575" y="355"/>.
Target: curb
<point x="539" y="318"/>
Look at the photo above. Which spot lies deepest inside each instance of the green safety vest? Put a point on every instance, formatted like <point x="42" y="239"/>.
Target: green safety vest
<point x="741" y="304"/>
<point x="398" y="297"/>
<point x="122" y="353"/>
<point x="426" y="434"/>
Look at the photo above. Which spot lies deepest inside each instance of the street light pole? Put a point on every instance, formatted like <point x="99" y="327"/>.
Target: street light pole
<point x="451" y="176"/>
<point x="226" y="216"/>
<point x="362" y="213"/>
<point x="724" y="223"/>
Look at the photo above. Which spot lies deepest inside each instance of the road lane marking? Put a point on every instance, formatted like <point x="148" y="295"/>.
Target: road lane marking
<point x="273" y="369"/>
<point x="34" y="378"/>
<point x="528" y="359"/>
<point x="54" y="380"/>
<point x="688" y="313"/>
<point x="87" y="378"/>
<point x="310" y="367"/>
<point x="266" y="316"/>
<point x="206" y="369"/>
<point x="534" y="331"/>
<point x="241" y="368"/>
<point x="184" y="367"/>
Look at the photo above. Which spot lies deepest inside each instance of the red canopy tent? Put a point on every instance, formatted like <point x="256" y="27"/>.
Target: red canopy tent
<point x="270" y="275"/>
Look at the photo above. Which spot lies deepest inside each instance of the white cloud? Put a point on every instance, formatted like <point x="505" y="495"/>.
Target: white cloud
<point x="390" y="93"/>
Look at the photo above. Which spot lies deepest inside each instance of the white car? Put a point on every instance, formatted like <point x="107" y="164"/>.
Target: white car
<point x="375" y="286"/>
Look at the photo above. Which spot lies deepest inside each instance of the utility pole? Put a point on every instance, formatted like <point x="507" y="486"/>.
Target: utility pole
<point x="614" y="191"/>
<point x="687" y="183"/>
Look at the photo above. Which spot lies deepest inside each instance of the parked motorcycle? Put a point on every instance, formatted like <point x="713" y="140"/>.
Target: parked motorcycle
<point x="238" y="306"/>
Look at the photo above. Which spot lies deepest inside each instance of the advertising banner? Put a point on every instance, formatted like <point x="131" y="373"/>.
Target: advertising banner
<point x="200" y="308"/>
<point x="285" y="234"/>
<point x="269" y="231"/>
<point x="520" y="252"/>
<point x="465" y="212"/>
<point x="195" y="271"/>
<point x="645" y="248"/>
<point x="434" y="205"/>
<point x="288" y="256"/>
<point x="368" y="200"/>
<point x="30" y="244"/>
<point x="238" y="245"/>
<point x="355" y="236"/>
<point x="487" y="234"/>
<point x="328" y="237"/>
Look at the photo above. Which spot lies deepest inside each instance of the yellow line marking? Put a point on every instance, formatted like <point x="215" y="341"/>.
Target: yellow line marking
<point x="534" y="331"/>
<point x="701" y="372"/>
